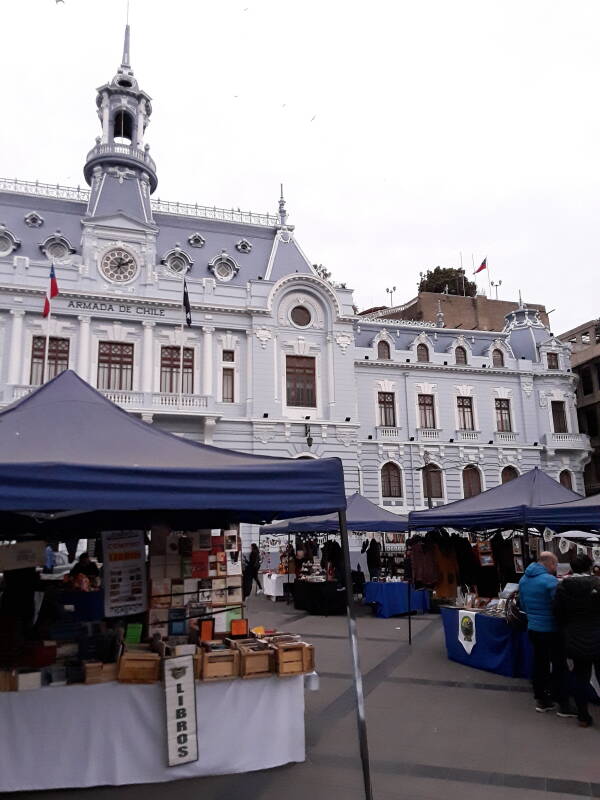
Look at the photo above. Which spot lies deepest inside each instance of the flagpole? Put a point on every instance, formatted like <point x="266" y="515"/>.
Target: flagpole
<point x="489" y="278"/>
<point x="47" y="348"/>
<point x="181" y="340"/>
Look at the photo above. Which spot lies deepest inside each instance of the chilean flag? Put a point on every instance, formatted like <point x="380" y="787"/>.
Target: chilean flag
<point x="482" y="266"/>
<point x="52" y="293"/>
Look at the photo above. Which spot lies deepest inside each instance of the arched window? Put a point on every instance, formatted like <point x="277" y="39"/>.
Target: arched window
<point x="391" y="480"/>
<point x="422" y="352"/>
<point x="383" y="350"/>
<point x="123" y="128"/>
<point x="460" y="355"/>
<point x="432" y="482"/>
<point x="471" y="481"/>
<point x="497" y="358"/>
<point x="566" y="479"/>
<point x="509" y="474"/>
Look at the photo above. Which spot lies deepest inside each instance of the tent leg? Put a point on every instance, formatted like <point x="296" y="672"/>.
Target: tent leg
<point x="361" y="722"/>
<point x="409" y="612"/>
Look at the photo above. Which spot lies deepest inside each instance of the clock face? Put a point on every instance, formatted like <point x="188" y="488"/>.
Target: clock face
<point x="119" y="266"/>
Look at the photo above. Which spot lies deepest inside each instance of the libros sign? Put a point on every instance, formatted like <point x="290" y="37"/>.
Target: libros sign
<point x="180" y="696"/>
<point x="116" y="308"/>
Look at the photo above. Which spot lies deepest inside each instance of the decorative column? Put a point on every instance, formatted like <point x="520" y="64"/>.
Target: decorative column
<point x="140" y="123"/>
<point x="15" y="364"/>
<point x="330" y="375"/>
<point x="207" y="361"/>
<point x="249" y="373"/>
<point x="83" y="353"/>
<point x="147" y="357"/>
<point x="104" y="118"/>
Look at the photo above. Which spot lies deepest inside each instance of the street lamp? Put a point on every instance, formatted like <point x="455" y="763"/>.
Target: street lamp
<point x="391" y="294"/>
<point x="427" y="472"/>
<point x="496" y="285"/>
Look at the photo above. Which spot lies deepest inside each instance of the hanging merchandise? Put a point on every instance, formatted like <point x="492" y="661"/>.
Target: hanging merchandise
<point x="581" y="550"/>
<point x="596" y="552"/>
<point x="548" y="534"/>
<point x="506" y="534"/>
<point x="467" y="630"/>
<point x="563" y="545"/>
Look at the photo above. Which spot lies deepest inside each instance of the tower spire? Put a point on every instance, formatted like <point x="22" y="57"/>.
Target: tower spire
<point x="282" y="212"/>
<point x="125" y="61"/>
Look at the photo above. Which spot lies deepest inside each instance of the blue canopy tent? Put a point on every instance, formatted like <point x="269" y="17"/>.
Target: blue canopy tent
<point x="361" y="515"/>
<point x="582" y="513"/>
<point x="502" y="506"/>
<point x="66" y="448"/>
<point x="70" y="457"/>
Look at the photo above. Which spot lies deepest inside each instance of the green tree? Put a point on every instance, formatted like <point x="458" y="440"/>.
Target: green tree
<point x="447" y="280"/>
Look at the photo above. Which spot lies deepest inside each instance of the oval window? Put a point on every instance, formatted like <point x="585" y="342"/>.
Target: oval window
<point x="300" y="316"/>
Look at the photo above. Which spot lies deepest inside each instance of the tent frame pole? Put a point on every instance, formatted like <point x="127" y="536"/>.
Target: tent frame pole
<point x="361" y="721"/>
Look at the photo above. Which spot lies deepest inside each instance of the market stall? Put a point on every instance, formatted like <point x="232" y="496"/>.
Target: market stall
<point x="497" y="543"/>
<point x="319" y="585"/>
<point x="74" y="464"/>
<point x="276" y="584"/>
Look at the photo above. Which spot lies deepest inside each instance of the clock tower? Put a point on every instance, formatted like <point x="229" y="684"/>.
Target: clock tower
<point x="119" y="233"/>
<point x="119" y="169"/>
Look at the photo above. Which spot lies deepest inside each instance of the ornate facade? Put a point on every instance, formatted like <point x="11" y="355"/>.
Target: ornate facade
<point x="276" y="360"/>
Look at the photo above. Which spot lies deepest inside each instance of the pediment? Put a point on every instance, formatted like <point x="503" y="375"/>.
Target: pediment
<point x="119" y="221"/>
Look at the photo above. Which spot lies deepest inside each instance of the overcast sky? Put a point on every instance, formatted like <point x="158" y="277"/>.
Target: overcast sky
<point x="404" y="132"/>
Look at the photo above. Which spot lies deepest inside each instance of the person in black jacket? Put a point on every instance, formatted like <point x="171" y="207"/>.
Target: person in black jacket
<point x="374" y="559"/>
<point x="577" y="610"/>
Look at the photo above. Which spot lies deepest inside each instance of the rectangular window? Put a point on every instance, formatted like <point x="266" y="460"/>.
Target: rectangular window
<point x="587" y="384"/>
<point x="426" y="411"/>
<point x="300" y="377"/>
<point x="590" y="420"/>
<point x="228" y="355"/>
<point x="387" y="409"/>
<point x="115" y="366"/>
<point x="465" y="413"/>
<point x="559" y="417"/>
<point x="170" y="364"/>
<point x="552" y="360"/>
<point x="228" y="385"/>
<point x="58" y="358"/>
<point x="503" y="423"/>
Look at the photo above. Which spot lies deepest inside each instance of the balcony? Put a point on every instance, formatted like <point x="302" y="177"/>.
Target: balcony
<point x="126" y="154"/>
<point x="505" y="437"/>
<point x="428" y="434"/>
<point x="467" y="436"/>
<point x="566" y="441"/>
<point x="141" y="402"/>
<point x="387" y="432"/>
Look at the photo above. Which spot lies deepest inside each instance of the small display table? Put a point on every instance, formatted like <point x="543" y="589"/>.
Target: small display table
<point x="392" y="598"/>
<point x="498" y="647"/>
<point x="327" y="597"/>
<point x="274" y="584"/>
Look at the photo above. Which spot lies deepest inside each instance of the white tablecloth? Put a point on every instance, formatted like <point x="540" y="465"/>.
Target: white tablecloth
<point x="273" y="583"/>
<point x="114" y="733"/>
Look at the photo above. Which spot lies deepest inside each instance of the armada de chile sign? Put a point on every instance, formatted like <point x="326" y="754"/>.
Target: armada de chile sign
<point x="116" y="308"/>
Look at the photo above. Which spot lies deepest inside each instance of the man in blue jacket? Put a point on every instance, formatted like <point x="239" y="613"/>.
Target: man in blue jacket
<point x="536" y="596"/>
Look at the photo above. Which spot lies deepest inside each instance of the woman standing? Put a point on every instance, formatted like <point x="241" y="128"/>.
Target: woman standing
<point x="254" y="563"/>
<point x="577" y="610"/>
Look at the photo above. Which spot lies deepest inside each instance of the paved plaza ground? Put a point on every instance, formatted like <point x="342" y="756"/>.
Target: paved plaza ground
<point x="437" y="730"/>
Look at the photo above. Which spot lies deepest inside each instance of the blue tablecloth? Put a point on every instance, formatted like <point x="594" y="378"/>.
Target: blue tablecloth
<point x="498" y="647"/>
<point x="392" y="598"/>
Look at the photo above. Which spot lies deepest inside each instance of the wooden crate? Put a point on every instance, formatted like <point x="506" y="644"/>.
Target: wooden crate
<point x="291" y="658"/>
<point x="256" y="661"/>
<point x="198" y="665"/>
<point x="8" y="680"/>
<point x="93" y="671"/>
<point x="220" y="665"/>
<point x="139" y="668"/>
<point x="308" y="658"/>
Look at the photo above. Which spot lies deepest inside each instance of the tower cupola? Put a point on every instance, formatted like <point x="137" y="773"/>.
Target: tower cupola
<point x="124" y="111"/>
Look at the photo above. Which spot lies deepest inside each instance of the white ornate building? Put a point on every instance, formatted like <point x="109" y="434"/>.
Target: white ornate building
<point x="276" y="361"/>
